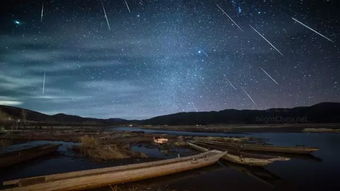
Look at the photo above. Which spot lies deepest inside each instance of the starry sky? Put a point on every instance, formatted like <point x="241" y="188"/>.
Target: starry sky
<point x="136" y="59"/>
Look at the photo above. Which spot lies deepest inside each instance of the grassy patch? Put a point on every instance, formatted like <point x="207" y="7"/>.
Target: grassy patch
<point x="98" y="150"/>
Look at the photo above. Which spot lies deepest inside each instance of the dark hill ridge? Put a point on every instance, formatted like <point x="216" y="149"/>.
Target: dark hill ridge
<point x="320" y="113"/>
<point x="29" y="116"/>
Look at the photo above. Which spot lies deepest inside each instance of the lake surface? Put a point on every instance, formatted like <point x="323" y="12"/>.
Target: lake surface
<point x="321" y="172"/>
<point x="178" y="133"/>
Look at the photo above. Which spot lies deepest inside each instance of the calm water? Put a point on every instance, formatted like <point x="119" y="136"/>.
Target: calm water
<point x="162" y="153"/>
<point x="321" y="172"/>
<point x="64" y="160"/>
<point x="170" y="132"/>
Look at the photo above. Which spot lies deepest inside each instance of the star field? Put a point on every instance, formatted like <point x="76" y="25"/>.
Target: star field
<point x="136" y="59"/>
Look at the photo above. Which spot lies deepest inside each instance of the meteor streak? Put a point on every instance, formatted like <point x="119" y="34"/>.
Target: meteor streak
<point x="226" y="14"/>
<point x="194" y="106"/>
<point x="269" y="76"/>
<point x="249" y="96"/>
<point x="267" y="40"/>
<point x="312" y="29"/>
<point x="43" y="85"/>
<point x="127" y="6"/>
<point x="42" y="12"/>
<point x="232" y="85"/>
<point x="107" y="20"/>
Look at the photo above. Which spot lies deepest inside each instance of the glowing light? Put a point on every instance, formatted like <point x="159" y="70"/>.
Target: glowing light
<point x="239" y="10"/>
<point x="17" y="22"/>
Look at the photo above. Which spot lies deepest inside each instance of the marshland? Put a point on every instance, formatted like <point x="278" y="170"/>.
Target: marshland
<point x="82" y="148"/>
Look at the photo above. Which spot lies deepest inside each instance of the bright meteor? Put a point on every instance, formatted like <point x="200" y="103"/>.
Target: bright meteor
<point x="231" y="84"/>
<point x="312" y="30"/>
<point x="105" y="15"/>
<point x="269" y="76"/>
<point x="43" y="85"/>
<point x="226" y="14"/>
<point x="277" y="50"/>
<point x="42" y="12"/>
<point x="127" y="6"/>
<point x="251" y="99"/>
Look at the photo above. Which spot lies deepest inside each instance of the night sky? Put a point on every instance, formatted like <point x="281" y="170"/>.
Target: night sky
<point x="136" y="59"/>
